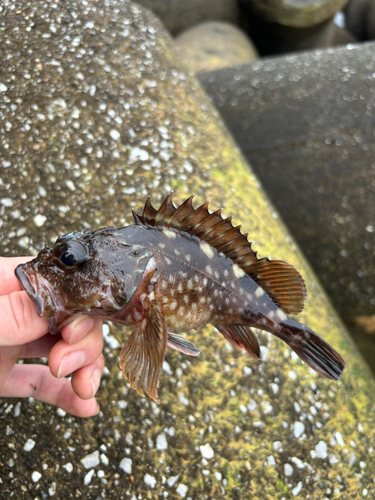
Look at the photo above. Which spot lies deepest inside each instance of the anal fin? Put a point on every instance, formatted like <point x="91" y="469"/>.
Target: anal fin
<point x="141" y="358"/>
<point x="179" y="343"/>
<point x="241" y="337"/>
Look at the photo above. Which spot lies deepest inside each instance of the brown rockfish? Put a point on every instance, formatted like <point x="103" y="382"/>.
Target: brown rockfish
<point x="175" y="269"/>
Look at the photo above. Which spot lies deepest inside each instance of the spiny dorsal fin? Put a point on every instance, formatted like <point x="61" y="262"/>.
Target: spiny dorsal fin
<point x="281" y="281"/>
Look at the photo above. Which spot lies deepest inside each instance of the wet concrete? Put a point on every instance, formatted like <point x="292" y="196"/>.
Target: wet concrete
<point x="99" y="112"/>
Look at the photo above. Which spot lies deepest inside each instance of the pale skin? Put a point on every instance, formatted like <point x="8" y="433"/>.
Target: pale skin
<point x="23" y="334"/>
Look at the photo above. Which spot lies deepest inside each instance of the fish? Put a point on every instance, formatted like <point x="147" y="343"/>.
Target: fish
<point x="175" y="269"/>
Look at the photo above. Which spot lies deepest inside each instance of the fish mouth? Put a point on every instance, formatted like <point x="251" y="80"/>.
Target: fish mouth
<point x="38" y="289"/>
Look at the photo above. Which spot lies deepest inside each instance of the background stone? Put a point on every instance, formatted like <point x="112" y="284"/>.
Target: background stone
<point x="356" y="12"/>
<point x="273" y="38"/>
<point x="370" y="20"/>
<point x="296" y="13"/>
<point x="305" y="123"/>
<point x="98" y="112"/>
<point x="215" y="45"/>
<point x="178" y="15"/>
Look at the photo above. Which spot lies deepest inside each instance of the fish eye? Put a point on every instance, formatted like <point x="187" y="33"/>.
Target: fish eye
<point x="70" y="255"/>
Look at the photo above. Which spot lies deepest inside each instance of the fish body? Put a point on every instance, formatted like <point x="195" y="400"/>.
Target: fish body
<point x="175" y="269"/>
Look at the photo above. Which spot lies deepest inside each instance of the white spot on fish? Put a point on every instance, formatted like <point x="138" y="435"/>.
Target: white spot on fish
<point x="226" y="272"/>
<point x="190" y="284"/>
<point x="176" y="251"/>
<point x="205" y="281"/>
<point x="151" y="265"/>
<point x="238" y="272"/>
<point x="281" y="315"/>
<point x="171" y="278"/>
<point x="209" y="269"/>
<point x="137" y="315"/>
<point x="163" y="285"/>
<point x="169" y="234"/>
<point x="194" y="306"/>
<point x="217" y="275"/>
<point x="186" y="299"/>
<point x="206" y="249"/>
<point x="168" y="261"/>
<point x="161" y="245"/>
<point x="180" y="288"/>
<point x="187" y="257"/>
<point x="196" y="278"/>
<point x="259" y="292"/>
<point x="173" y="305"/>
<point x="271" y="315"/>
<point x="202" y="300"/>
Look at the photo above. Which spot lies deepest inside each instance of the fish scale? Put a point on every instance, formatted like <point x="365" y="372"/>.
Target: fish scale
<point x="174" y="270"/>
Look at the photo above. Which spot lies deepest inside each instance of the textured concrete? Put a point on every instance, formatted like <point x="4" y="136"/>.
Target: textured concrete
<point x="98" y="112"/>
<point x="305" y="123"/>
<point x="215" y="45"/>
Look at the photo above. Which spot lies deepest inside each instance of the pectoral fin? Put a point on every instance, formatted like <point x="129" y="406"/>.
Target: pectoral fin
<point x="241" y="337"/>
<point x="179" y="343"/>
<point x="141" y="358"/>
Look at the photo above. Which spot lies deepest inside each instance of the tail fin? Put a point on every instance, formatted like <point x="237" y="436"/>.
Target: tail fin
<point x="312" y="349"/>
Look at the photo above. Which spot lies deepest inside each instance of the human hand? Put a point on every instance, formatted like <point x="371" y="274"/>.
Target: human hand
<point x="23" y="334"/>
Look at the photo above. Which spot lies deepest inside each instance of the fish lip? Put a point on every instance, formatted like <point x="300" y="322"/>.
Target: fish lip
<point x="36" y="287"/>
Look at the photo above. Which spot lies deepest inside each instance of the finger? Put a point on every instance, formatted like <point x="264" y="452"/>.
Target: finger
<point x="75" y="331"/>
<point x="37" y="381"/>
<point x="65" y="359"/>
<point x="9" y="282"/>
<point x="19" y="321"/>
<point x="86" y="380"/>
<point x="8" y="358"/>
<point x="40" y="348"/>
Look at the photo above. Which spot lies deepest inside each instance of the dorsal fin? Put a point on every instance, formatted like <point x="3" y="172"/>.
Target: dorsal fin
<point x="281" y="281"/>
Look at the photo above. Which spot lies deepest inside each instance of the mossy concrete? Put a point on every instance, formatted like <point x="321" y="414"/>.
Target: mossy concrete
<point x="227" y="426"/>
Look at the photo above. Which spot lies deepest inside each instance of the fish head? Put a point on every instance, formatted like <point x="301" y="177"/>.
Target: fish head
<point x="92" y="272"/>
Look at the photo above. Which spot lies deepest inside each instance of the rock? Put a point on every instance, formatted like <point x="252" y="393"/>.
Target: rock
<point x="273" y="38"/>
<point x="356" y="12"/>
<point x="370" y="21"/>
<point x="178" y="15"/>
<point x="341" y="36"/>
<point x="366" y="323"/>
<point x="215" y="45"/>
<point x="295" y="13"/>
<point x="75" y="71"/>
<point x="318" y="170"/>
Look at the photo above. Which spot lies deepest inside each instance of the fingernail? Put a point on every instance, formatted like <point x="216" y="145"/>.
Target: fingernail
<point x="95" y="380"/>
<point x="98" y="405"/>
<point x="84" y="323"/>
<point x="70" y="363"/>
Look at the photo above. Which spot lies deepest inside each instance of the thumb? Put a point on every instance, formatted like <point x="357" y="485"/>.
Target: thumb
<point x="19" y="321"/>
